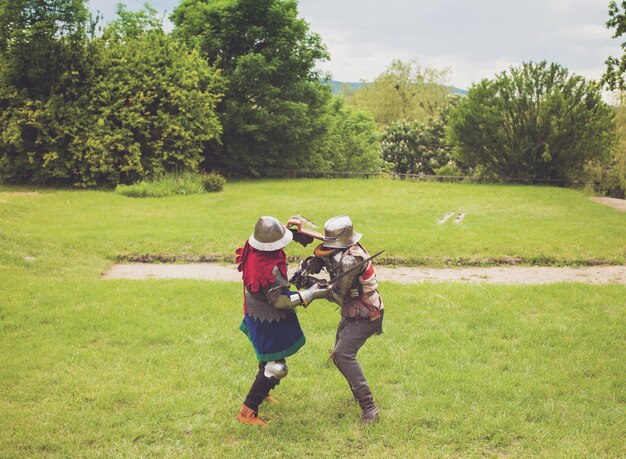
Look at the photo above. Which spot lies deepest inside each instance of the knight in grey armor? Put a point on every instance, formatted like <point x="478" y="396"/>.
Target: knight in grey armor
<point x="269" y="319"/>
<point x="357" y="295"/>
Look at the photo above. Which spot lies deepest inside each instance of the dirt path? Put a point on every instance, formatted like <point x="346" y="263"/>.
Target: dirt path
<point x="498" y="275"/>
<point x="619" y="204"/>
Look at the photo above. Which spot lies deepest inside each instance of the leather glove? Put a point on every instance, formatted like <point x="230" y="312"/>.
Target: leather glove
<point x="301" y="238"/>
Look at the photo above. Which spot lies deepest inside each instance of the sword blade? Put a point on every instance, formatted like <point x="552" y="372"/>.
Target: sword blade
<point x="356" y="267"/>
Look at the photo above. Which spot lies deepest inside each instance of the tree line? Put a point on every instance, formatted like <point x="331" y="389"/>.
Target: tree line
<point x="234" y="89"/>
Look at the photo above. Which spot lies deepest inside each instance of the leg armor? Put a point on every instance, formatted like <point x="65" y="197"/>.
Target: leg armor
<point x="276" y="369"/>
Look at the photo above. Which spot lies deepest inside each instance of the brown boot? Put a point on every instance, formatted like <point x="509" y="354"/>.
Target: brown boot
<point x="270" y="399"/>
<point x="248" y="416"/>
<point x="368" y="407"/>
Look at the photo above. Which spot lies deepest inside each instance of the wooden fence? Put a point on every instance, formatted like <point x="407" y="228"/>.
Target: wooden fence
<point x="302" y="173"/>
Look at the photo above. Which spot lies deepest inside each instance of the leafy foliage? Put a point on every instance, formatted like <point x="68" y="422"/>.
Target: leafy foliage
<point x="131" y="25"/>
<point x="419" y="147"/>
<point x="172" y="184"/>
<point x="616" y="67"/>
<point x="534" y="122"/>
<point x="405" y="92"/>
<point x="47" y="67"/>
<point x="608" y="177"/>
<point x="274" y="100"/>
<point x="41" y="42"/>
<point x="352" y="143"/>
<point x="154" y="105"/>
<point x="144" y="106"/>
<point x="213" y="182"/>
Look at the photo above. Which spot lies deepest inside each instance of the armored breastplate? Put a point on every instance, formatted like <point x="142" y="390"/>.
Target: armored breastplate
<point x="334" y="266"/>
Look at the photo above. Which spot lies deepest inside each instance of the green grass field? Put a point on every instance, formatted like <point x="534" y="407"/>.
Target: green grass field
<point x="94" y="368"/>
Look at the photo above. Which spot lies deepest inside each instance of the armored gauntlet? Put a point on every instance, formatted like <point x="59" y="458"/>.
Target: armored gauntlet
<point x="316" y="292"/>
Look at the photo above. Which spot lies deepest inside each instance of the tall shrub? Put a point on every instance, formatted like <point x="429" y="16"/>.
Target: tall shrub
<point x="352" y="143"/>
<point x="419" y="147"/>
<point x="535" y="121"/>
<point x="145" y="105"/>
<point x="153" y="107"/>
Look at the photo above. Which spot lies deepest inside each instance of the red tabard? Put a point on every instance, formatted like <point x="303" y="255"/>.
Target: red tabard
<point x="257" y="265"/>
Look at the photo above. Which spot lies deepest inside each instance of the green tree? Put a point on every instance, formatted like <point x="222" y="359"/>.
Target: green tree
<point x="41" y="42"/>
<point x="608" y="176"/>
<point x="132" y="25"/>
<point x="147" y="108"/>
<point x="535" y="122"/>
<point x="405" y="92"/>
<point x="616" y="67"/>
<point x="274" y="101"/>
<point x="352" y="143"/>
<point x="47" y="65"/>
<point x="153" y="104"/>
<point x="617" y="166"/>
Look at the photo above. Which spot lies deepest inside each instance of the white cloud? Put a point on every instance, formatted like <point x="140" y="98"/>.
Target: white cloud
<point x="476" y="38"/>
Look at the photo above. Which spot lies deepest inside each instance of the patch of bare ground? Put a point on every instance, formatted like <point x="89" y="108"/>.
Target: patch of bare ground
<point x="619" y="204"/>
<point x="6" y="194"/>
<point x="496" y="275"/>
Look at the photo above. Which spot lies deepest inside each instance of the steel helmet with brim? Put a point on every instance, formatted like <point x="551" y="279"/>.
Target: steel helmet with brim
<point x="339" y="233"/>
<point x="269" y="234"/>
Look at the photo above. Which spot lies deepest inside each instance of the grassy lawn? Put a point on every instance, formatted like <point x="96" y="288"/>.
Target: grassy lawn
<point x="158" y="368"/>
<point x="127" y="368"/>
<point x="401" y="217"/>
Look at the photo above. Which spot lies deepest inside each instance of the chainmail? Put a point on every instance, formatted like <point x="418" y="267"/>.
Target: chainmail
<point x="259" y="304"/>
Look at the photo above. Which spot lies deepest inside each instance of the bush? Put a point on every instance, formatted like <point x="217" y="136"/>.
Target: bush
<point x="154" y="108"/>
<point x="140" y="105"/>
<point x="170" y="185"/>
<point x="416" y="148"/>
<point x="536" y="121"/>
<point x="351" y="143"/>
<point x="449" y="170"/>
<point x="605" y="179"/>
<point x="213" y="182"/>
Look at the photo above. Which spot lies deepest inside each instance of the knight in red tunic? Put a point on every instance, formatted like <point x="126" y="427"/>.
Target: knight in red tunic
<point x="269" y="320"/>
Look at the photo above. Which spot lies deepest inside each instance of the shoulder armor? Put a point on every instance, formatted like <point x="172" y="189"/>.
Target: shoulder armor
<point x="348" y="261"/>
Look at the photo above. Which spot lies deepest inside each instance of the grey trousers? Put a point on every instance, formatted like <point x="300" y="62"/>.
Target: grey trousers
<point x="350" y="337"/>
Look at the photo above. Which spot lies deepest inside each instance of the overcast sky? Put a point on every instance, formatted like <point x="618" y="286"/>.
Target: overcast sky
<point x="474" y="38"/>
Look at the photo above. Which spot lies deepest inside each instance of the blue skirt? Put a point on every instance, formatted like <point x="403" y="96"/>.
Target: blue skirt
<point x="274" y="340"/>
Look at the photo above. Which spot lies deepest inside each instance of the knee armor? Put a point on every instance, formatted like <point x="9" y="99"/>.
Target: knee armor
<point x="276" y="369"/>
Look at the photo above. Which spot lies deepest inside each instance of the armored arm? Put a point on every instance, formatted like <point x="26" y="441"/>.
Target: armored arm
<point x="282" y="298"/>
<point x="302" y="278"/>
<point x="342" y="290"/>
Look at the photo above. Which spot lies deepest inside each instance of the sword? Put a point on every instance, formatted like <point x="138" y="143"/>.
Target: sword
<point x="339" y="276"/>
<point x="356" y="267"/>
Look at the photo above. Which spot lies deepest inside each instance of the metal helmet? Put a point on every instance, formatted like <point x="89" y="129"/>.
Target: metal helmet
<point x="339" y="233"/>
<point x="269" y="234"/>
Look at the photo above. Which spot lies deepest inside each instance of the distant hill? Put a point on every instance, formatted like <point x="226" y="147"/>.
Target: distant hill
<point x="352" y="86"/>
<point x="339" y="85"/>
<point x="459" y="91"/>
